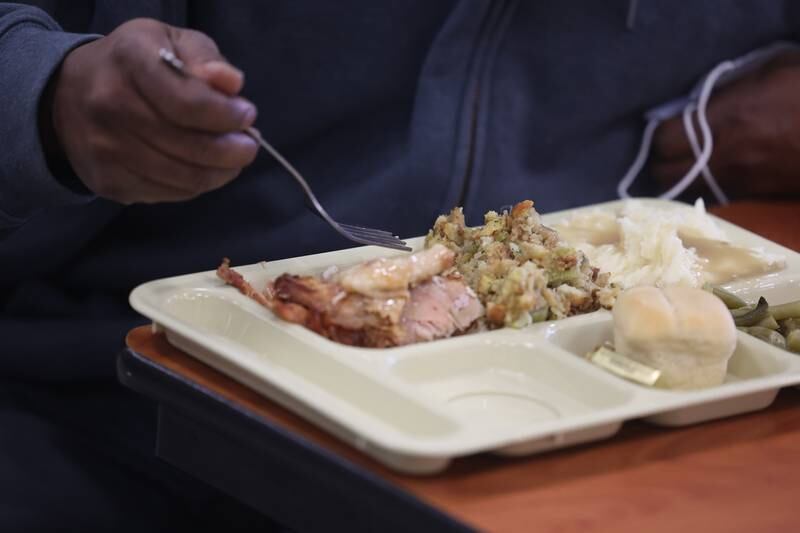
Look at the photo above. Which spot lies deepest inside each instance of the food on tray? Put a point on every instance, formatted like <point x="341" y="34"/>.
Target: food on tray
<point x="521" y="270"/>
<point x="778" y="325"/>
<point x="687" y="334"/>
<point x="647" y="245"/>
<point x="380" y="303"/>
<point x="511" y="271"/>
<point x="790" y="328"/>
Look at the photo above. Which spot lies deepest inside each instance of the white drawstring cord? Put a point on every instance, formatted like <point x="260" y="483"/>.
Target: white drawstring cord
<point x="702" y="156"/>
<point x="705" y="130"/>
<point x="638" y="163"/>
<point x="709" y="178"/>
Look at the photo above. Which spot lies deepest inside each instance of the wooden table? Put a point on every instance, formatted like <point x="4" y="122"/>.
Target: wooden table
<point x="736" y="474"/>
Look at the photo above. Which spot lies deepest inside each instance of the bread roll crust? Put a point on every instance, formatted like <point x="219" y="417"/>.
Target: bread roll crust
<point x="686" y="333"/>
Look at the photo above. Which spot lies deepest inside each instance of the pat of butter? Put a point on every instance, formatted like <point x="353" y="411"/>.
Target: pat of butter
<point x="623" y="366"/>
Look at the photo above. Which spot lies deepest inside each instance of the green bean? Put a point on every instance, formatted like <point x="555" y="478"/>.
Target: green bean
<point x="767" y="335"/>
<point x="788" y="310"/>
<point x="788" y="325"/>
<point x="793" y="341"/>
<point x="741" y="311"/>
<point x="730" y="300"/>
<point x="754" y="316"/>
<point x="769" y="323"/>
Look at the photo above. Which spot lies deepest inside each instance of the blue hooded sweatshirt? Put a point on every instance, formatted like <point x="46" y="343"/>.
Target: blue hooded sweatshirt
<point x="395" y="110"/>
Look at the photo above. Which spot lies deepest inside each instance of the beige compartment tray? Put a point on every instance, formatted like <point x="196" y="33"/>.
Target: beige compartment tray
<point x="415" y="408"/>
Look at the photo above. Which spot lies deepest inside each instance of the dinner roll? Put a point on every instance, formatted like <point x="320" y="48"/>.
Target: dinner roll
<point x="686" y="333"/>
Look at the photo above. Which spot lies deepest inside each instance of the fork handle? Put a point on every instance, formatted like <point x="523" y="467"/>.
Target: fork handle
<point x="311" y="200"/>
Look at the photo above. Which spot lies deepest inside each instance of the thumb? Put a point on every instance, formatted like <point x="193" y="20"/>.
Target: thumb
<point x="221" y="75"/>
<point x="203" y="60"/>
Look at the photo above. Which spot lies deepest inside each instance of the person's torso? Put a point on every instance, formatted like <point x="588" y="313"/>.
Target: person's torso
<point x="395" y="112"/>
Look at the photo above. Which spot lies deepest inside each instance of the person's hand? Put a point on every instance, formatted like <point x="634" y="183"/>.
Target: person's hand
<point x="133" y="130"/>
<point x="755" y="122"/>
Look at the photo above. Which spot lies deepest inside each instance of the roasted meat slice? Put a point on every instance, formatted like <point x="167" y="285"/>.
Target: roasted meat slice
<point x="380" y="303"/>
<point x="381" y="276"/>
<point x="438" y="308"/>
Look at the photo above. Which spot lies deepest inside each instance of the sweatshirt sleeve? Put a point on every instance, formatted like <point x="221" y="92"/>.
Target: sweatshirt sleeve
<point x="32" y="47"/>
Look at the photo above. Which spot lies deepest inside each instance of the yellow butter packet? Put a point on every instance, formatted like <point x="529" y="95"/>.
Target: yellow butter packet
<point x="623" y="366"/>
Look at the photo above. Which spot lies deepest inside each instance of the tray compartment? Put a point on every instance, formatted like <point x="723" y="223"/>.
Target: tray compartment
<point x="753" y="360"/>
<point x="777" y="288"/>
<point x="715" y="409"/>
<point x="561" y="440"/>
<point x="508" y="387"/>
<point x="265" y="355"/>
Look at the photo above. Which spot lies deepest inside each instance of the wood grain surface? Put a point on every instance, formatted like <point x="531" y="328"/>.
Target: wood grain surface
<point x="777" y="221"/>
<point x="736" y="474"/>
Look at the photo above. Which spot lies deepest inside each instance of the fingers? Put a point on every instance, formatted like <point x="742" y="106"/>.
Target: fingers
<point x="148" y="134"/>
<point x="185" y="101"/>
<point x="220" y="75"/>
<point x="152" y="176"/>
<point x="192" y="103"/>
<point x="227" y="151"/>
<point x="232" y="151"/>
<point x="131" y="188"/>
<point x="159" y="167"/>
<point x="203" y="60"/>
<point x="193" y="47"/>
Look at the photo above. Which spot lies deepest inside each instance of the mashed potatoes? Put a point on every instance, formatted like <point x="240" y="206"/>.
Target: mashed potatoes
<point x="662" y="246"/>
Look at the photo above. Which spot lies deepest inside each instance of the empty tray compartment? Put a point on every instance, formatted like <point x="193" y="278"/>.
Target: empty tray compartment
<point x="510" y="387"/>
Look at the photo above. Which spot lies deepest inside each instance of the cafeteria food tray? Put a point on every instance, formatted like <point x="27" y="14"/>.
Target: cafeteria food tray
<point x="417" y="407"/>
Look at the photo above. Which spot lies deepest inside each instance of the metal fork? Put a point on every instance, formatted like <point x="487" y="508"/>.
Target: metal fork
<point x="357" y="234"/>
